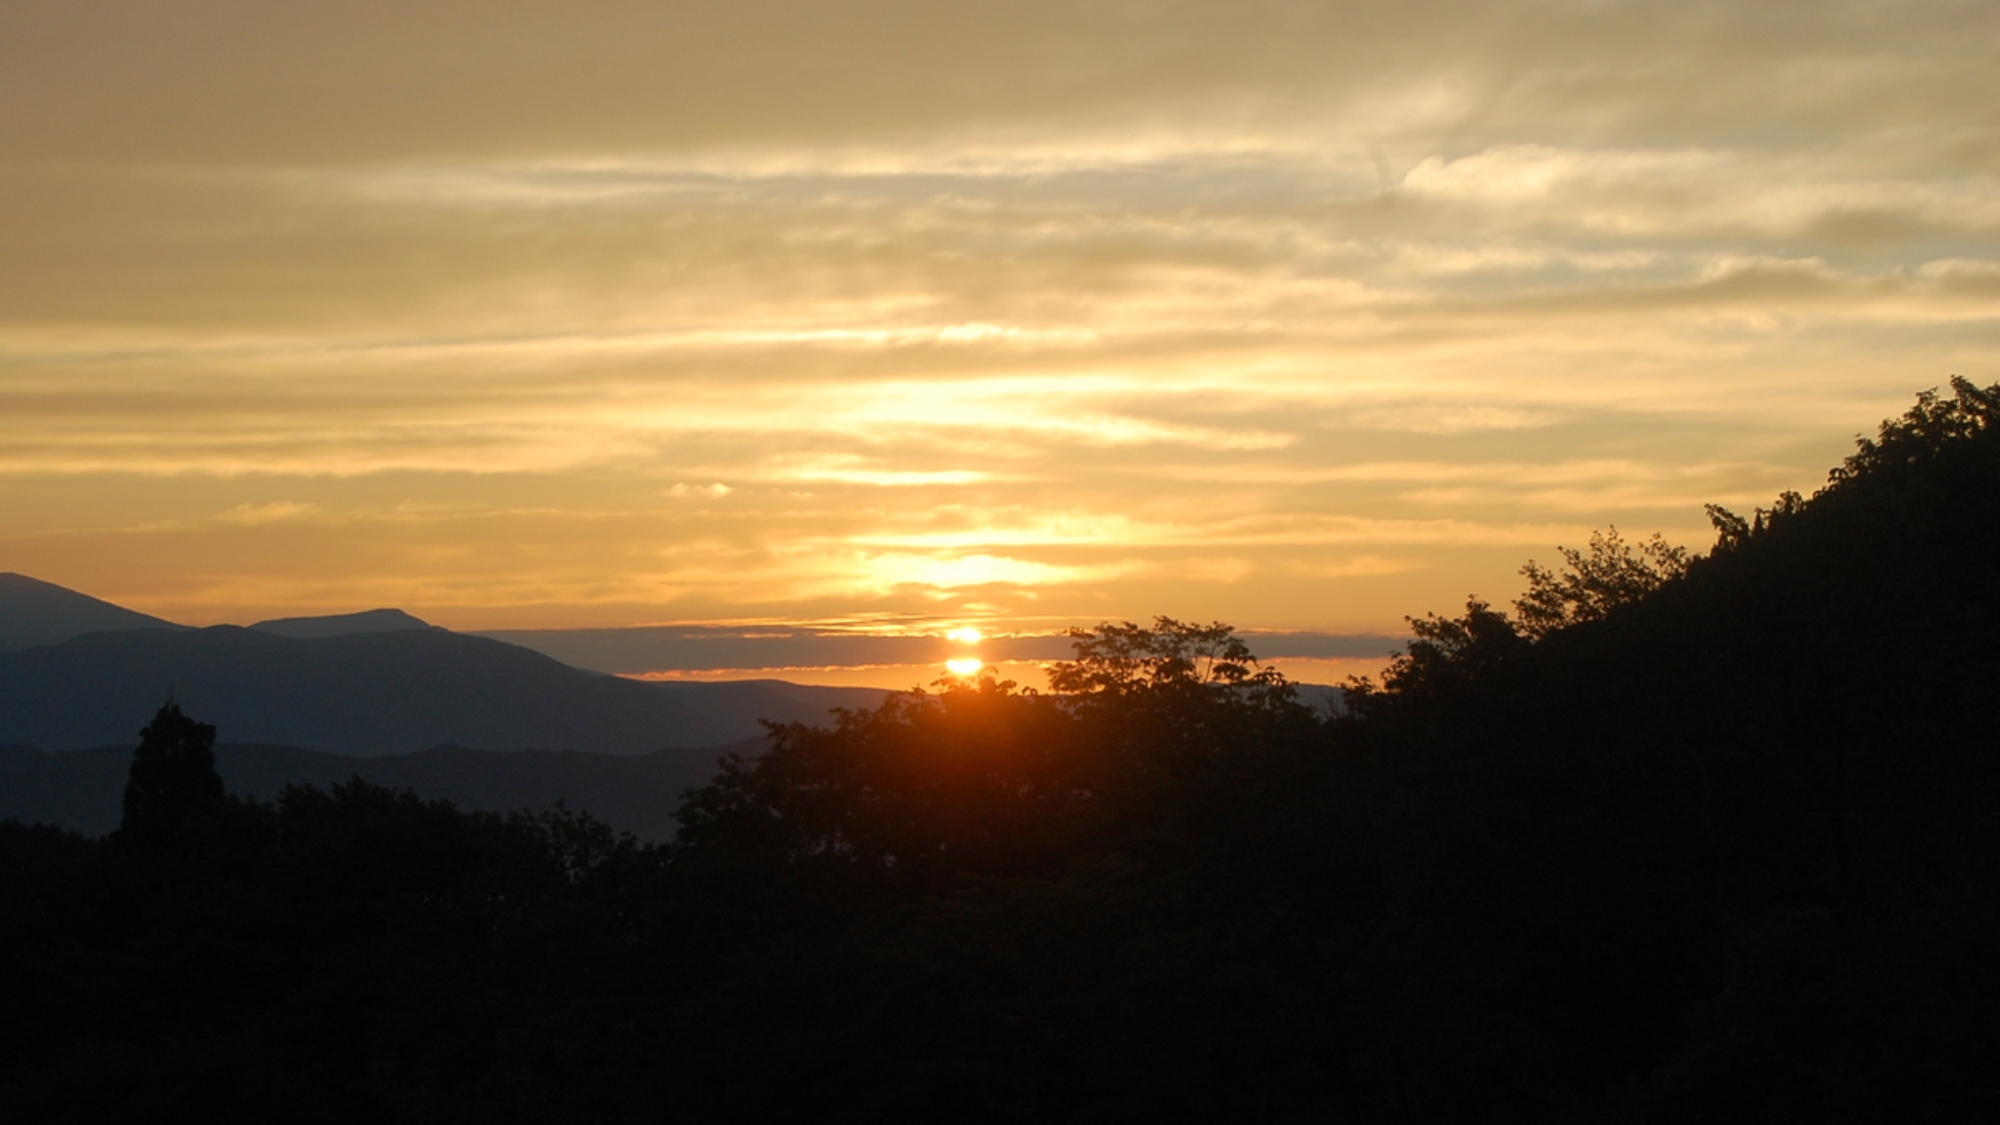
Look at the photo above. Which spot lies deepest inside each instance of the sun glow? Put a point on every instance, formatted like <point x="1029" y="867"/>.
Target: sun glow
<point x="964" y="665"/>
<point x="966" y="635"/>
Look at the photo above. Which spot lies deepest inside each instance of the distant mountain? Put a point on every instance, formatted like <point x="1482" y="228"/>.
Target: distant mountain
<point x="375" y="694"/>
<point x="35" y="613"/>
<point x="84" y="790"/>
<point x="343" y="624"/>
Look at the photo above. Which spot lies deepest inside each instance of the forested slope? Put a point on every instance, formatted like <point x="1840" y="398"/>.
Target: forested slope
<point x="1738" y="833"/>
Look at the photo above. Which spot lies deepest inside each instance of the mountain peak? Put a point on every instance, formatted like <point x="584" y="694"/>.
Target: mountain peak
<point x="343" y="624"/>
<point x="34" y="613"/>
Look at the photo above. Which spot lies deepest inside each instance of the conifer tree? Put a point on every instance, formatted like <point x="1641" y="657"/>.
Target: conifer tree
<point x="173" y="781"/>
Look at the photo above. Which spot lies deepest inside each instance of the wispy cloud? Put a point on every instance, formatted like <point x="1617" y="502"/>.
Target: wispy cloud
<point x="1301" y="315"/>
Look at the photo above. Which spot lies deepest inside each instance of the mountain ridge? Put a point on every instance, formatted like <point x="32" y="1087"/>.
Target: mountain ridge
<point x="375" y="694"/>
<point x="343" y="624"/>
<point x="35" y="613"/>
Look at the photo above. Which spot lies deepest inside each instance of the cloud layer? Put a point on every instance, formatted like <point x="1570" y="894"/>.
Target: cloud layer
<point x="1301" y="316"/>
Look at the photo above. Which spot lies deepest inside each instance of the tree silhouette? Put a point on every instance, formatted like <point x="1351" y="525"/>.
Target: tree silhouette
<point x="1590" y="586"/>
<point x="173" y="783"/>
<point x="1445" y="652"/>
<point x="1119" y="660"/>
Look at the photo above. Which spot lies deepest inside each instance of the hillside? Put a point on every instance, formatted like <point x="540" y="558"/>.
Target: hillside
<point x="374" y="693"/>
<point x="35" y="613"/>
<point x="1735" y="834"/>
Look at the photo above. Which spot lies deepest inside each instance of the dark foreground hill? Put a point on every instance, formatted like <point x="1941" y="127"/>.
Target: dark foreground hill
<point x="81" y="790"/>
<point x="375" y="693"/>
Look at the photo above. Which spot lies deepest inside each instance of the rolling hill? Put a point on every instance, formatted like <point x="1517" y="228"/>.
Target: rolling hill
<point x="372" y="694"/>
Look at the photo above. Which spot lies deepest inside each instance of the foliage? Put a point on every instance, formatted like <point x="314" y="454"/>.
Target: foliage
<point x="982" y="778"/>
<point x="1172" y="658"/>
<point x="354" y="954"/>
<point x="971" y="778"/>
<point x="1733" y="531"/>
<point x="1445" y="650"/>
<point x="173" y="785"/>
<point x="1590" y="586"/>
<point x="1933" y="428"/>
<point x="1780" y="757"/>
<point x="1048" y="862"/>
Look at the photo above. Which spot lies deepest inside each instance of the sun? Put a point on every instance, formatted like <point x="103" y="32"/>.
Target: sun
<point x="964" y="665"/>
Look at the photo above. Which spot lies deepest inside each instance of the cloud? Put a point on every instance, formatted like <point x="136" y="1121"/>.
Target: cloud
<point x="668" y="650"/>
<point x="266" y="513"/>
<point x="952" y="572"/>
<point x="1308" y="313"/>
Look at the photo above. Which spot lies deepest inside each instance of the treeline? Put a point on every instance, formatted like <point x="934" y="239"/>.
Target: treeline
<point x="1677" y="838"/>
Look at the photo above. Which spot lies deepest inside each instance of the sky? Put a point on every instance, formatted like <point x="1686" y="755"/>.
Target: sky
<point x="800" y="333"/>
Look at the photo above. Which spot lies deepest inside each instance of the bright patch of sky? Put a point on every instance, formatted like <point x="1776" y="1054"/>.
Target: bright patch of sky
<point x="1304" y="317"/>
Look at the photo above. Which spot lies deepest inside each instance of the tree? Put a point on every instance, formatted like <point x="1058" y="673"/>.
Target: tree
<point x="1172" y="659"/>
<point x="892" y="799"/>
<point x="983" y="778"/>
<point x="1445" y="651"/>
<point x="1590" y="586"/>
<point x="1929" y="430"/>
<point x="173" y="784"/>
<point x="1733" y="531"/>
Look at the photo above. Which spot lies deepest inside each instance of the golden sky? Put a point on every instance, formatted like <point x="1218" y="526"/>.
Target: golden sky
<point x="1302" y="316"/>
